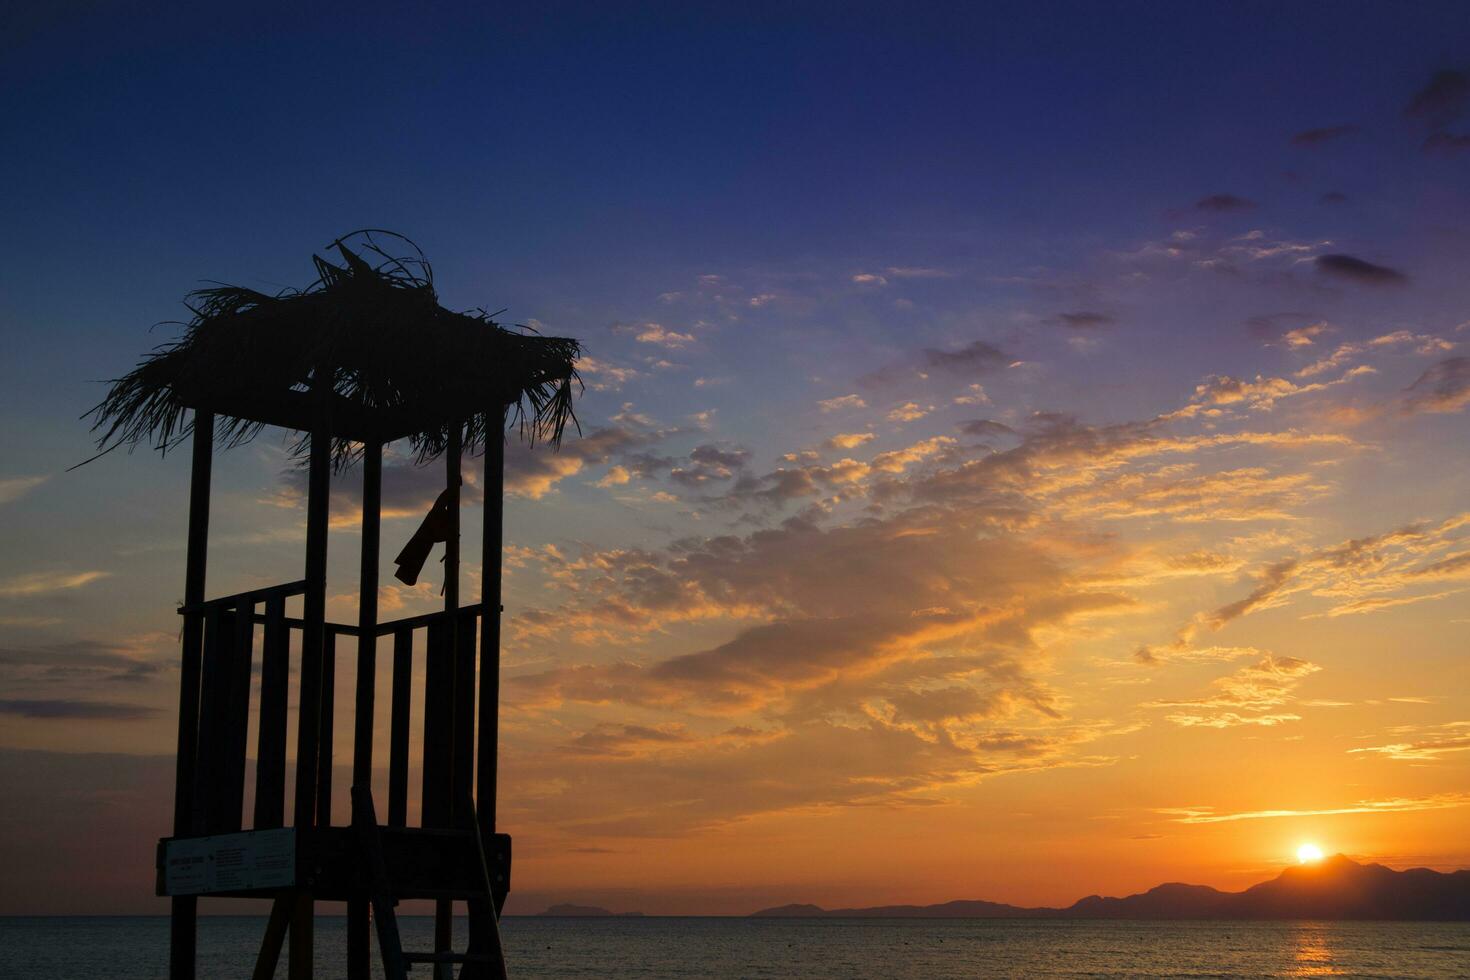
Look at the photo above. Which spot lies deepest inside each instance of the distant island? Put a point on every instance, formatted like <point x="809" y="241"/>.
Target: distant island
<point x="585" y="912"/>
<point x="1334" y="888"/>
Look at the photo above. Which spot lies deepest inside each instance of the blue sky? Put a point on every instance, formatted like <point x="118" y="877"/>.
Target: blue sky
<point x="1050" y="280"/>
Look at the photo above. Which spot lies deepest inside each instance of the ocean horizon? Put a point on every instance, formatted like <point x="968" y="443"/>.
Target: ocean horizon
<point x="667" y="947"/>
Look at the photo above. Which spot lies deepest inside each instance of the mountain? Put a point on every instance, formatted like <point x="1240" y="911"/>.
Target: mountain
<point x="585" y="912"/>
<point x="1336" y="888"/>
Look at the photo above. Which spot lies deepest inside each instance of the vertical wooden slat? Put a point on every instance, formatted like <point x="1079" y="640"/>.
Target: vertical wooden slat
<point x="488" y="748"/>
<point x="212" y="678"/>
<point x="314" y="608"/>
<point x="219" y="695"/>
<point x="328" y="720"/>
<point x="438" y="723"/>
<point x="399" y="727"/>
<point x="183" y="909"/>
<point x="464" y="716"/>
<point x="270" y="752"/>
<point x="240" y="652"/>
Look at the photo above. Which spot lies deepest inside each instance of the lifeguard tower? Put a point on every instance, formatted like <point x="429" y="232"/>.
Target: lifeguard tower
<point x="364" y="357"/>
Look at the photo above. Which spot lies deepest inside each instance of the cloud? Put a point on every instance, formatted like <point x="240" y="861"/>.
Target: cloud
<point x="615" y="476"/>
<point x="1447" y="143"/>
<point x="69" y="710"/>
<point x="15" y="487"/>
<point x="985" y="428"/>
<point x="935" y="368"/>
<point x="1274" y="328"/>
<point x="533" y="472"/>
<point x="1371" y="567"/>
<point x="869" y="279"/>
<point x="1059" y="456"/>
<point x="897" y="633"/>
<point x="710" y="462"/>
<point x="34" y="584"/>
<point x="1306" y="336"/>
<point x="76" y="660"/>
<point x="1441" y="801"/>
<point x="841" y="402"/>
<point x="1354" y="269"/>
<point x="909" y="412"/>
<point x="1431" y="746"/>
<point x="654" y="333"/>
<point x="1249" y="696"/>
<point x="1333" y="197"/>
<point x="848" y="440"/>
<point x="973" y="358"/>
<point x="898" y="460"/>
<point x="1360" y="606"/>
<point x="1443" y="388"/>
<point x="844" y="609"/>
<point x="1223" y="202"/>
<point x="1085" y="320"/>
<point x="1442" y="101"/>
<point x="1263" y="393"/>
<point x="623" y="741"/>
<point x="974" y="395"/>
<point x="601" y="375"/>
<point x="1320" y="137"/>
<point x="918" y="272"/>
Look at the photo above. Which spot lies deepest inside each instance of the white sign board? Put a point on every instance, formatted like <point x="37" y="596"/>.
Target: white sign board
<point x="256" y="859"/>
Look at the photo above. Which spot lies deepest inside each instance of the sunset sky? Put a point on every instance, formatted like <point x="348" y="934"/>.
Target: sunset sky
<point x="1024" y="448"/>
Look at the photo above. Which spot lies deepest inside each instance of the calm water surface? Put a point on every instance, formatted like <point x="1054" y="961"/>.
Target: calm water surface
<point x="659" y="948"/>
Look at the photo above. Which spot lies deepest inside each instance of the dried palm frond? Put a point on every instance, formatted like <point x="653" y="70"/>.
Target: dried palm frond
<point x="372" y="335"/>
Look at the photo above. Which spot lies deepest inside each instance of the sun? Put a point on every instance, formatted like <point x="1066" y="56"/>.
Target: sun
<point x="1308" y="854"/>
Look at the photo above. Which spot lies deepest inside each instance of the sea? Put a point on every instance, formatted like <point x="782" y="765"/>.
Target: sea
<point x="659" y="948"/>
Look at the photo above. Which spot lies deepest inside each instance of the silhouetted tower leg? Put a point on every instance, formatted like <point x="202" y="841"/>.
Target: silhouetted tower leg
<point x="183" y="909"/>
<point x="483" y="915"/>
<point x="493" y="546"/>
<point x="313" y="635"/>
<point x="444" y="908"/>
<point x="358" y="943"/>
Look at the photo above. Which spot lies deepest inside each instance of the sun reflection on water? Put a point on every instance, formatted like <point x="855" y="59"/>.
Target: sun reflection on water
<point x="1314" y="957"/>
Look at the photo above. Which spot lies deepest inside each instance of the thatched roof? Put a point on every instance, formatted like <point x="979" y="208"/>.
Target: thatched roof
<point x="392" y="363"/>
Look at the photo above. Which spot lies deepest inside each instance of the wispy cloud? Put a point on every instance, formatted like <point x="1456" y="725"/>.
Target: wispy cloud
<point x="71" y="710"/>
<point x="1338" y="265"/>
<point x="1442" y="801"/>
<point x="841" y="402"/>
<point x="43" y="583"/>
<point x="14" y="487"/>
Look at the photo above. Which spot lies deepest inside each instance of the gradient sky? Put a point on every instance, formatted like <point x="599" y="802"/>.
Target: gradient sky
<point x="1023" y="455"/>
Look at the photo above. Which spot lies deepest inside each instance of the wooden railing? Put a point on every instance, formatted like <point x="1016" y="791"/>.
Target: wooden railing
<point x="229" y="651"/>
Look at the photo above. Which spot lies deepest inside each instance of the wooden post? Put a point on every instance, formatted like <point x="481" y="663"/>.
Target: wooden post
<point x="313" y="631"/>
<point x="299" y="961"/>
<point x="490" y="564"/>
<point x="313" y="627"/>
<point x="275" y="936"/>
<point x="183" y="909"/>
<point x="358" y="943"/>
<point x="444" y="908"/>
